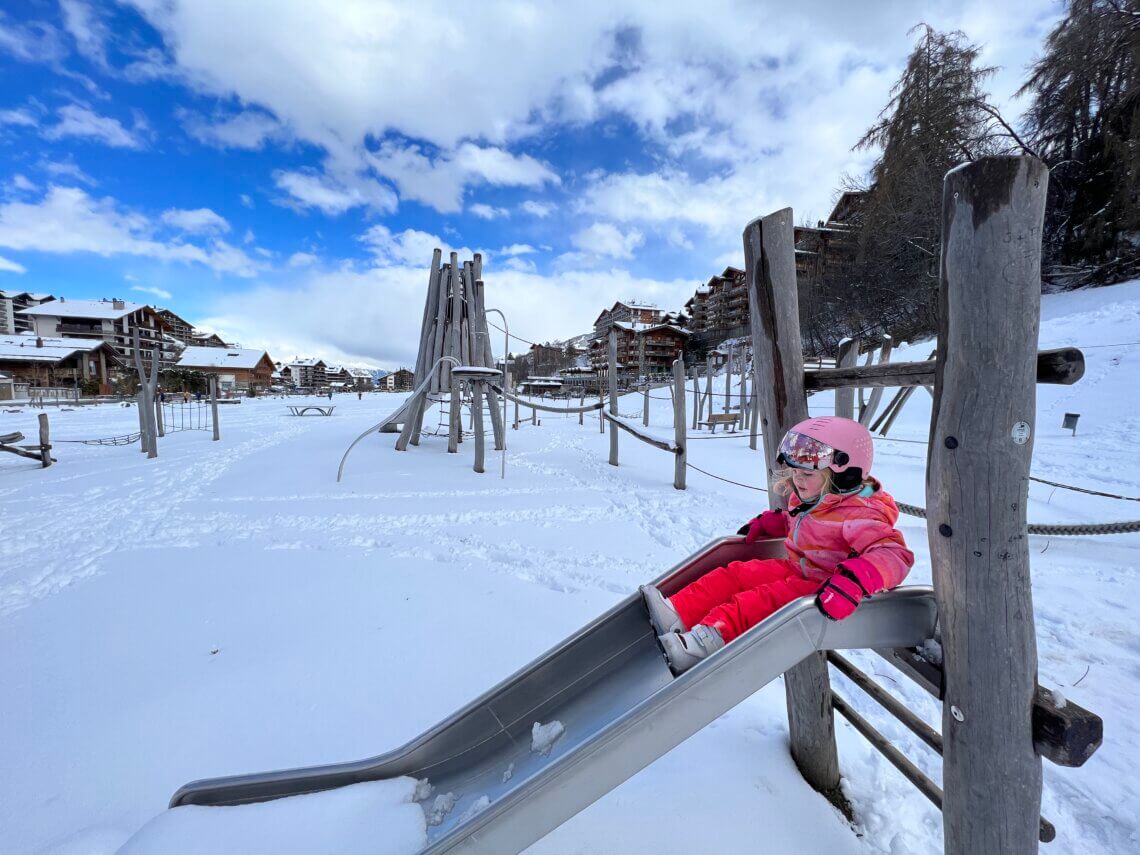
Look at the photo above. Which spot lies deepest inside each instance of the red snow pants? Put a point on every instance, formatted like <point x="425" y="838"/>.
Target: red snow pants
<point x="737" y="597"/>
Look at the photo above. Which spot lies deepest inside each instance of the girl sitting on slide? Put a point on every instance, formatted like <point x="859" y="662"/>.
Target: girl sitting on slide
<point x="839" y="533"/>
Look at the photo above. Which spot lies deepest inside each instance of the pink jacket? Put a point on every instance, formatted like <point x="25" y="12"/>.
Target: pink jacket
<point x="844" y="526"/>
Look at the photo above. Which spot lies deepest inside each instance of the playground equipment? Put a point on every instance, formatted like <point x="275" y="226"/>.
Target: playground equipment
<point x="619" y="706"/>
<point x="977" y="475"/>
<point x="40" y="451"/>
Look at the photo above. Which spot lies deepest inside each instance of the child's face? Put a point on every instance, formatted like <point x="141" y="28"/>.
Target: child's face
<point x="808" y="482"/>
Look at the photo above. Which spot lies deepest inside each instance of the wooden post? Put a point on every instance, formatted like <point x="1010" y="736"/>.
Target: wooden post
<point x="488" y="357"/>
<point x="45" y="441"/>
<point x="981" y="443"/>
<point x="582" y="403"/>
<point x="601" y="415"/>
<point x="454" y="329"/>
<point x="696" y="398"/>
<point x="679" y="424"/>
<point x="867" y="414"/>
<point x="413" y="420"/>
<point x="645" y="406"/>
<point x="641" y="359"/>
<point x="753" y="427"/>
<point x="516" y="424"/>
<point x="728" y="380"/>
<point x="158" y="417"/>
<point x="777" y="371"/>
<point x="847" y="356"/>
<point x="477" y="417"/>
<point x="708" y="405"/>
<point x="613" y="394"/>
<point x="214" y="407"/>
<point x="740" y="398"/>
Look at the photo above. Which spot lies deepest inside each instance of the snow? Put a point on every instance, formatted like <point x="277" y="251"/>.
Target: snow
<point x="543" y="736"/>
<point x="230" y="608"/>
<point x="377" y="817"/>
<point x="220" y="357"/>
<point x="104" y="309"/>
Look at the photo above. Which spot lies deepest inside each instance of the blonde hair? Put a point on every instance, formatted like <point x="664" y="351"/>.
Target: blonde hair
<point x="781" y="483"/>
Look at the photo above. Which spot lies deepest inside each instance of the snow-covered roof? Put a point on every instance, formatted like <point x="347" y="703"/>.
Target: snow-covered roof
<point x="104" y="309"/>
<point x="311" y="362"/>
<point x="221" y="357"/>
<point x="643" y="328"/>
<point x="11" y="295"/>
<point x="22" y="348"/>
<point x="541" y="381"/>
<point x="362" y="373"/>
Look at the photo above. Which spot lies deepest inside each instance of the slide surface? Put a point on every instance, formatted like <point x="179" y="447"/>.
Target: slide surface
<point x="617" y="709"/>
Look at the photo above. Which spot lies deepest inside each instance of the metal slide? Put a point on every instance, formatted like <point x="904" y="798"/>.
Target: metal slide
<point x="621" y="708"/>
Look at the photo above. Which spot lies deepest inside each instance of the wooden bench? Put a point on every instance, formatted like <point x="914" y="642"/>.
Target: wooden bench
<point x="722" y="419"/>
<point x="323" y="411"/>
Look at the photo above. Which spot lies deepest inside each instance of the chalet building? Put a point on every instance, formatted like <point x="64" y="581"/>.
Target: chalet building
<point x="830" y="247"/>
<point x="401" y="380"/>
<point x="641" y="349"/>
<point x="176" y="326"/>
<point x="338" y="374"/>
<point x="12" y="304"/>
<point x="541" y="385"/>
<point x="53" y="361"/>
<point x="112" y="321"/>
<point x="7" y="387"/>
<point x="206" y="339"/>
<point x="634" y="313"/>
<point x="237" y="370"/>
<point x="361" y="379"/>
<point x="307" y="373"/>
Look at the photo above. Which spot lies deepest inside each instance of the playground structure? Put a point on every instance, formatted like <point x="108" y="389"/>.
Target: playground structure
<point x="608" y="684"/>
<point x="40" y="451"/>
<point x="152" y="419"/>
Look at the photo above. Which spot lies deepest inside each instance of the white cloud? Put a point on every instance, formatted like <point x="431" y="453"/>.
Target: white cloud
<point x="523" y="265"/>
<point x="247" y="130"/>
<point x="151" y="289"/>
<point x="196" y="221"/>
<point x="67" y="169"/>
<point x="246" y="200"/>
<point x="78" y="121"/>
<point x="248" y="237"/>
<point x="34" y="42"/>
<point x="517" y="249"/>
<point x="441" y="181"/>
<point x="302" y="259"/>
<point x="607" y="240"/>
<point x="332" y="196"/>
<point x="542" y="210"/>
<point x="21" y="183"/>
<point x="19" y="117"/>
<point x="9" y="266"/>
<point x="488" y="212"/>
<point x="410" y="247"/>
<point x="67" y="220"/>
<point x="88" y="30"/>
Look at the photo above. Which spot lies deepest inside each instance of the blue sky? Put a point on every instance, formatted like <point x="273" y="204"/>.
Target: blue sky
<point x="280" y="170"/>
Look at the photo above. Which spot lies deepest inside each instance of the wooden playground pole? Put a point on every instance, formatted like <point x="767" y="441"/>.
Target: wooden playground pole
<point x="981" y="443"/>
<point x="454" y="395"/>
<point x="413" y="420"/>
<point x="777" y="370"/>
<point x="645" y="406"/>
<point x="45" y="441"/>
<point x="214" y="407"/>
<point x="867" y="413"/>
<point x="847" y="356"/>
<point x="601" y="415"/>
<point x="613" y="394"/>
<point x="679" y="424"/>
<point x="728" y="381"/>
<point x="696" y="397"/>
<point x="477" y="418"/>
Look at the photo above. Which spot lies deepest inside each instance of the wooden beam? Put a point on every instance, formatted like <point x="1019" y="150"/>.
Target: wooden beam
<point x="778" y="375"/>
<point x="846" y="359"/>
<point x="981" y="444"/>
<point x="679" y="439"/>
<point x="1059" y="366"/>
<point x="613" y="378"/>
<point x="618" y="421"/>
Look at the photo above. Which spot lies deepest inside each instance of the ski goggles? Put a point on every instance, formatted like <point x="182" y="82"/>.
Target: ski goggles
<point x="804" y="452"/>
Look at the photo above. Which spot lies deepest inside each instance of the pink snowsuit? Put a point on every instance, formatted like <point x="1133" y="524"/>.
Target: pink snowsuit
<point x="737" y="597"/>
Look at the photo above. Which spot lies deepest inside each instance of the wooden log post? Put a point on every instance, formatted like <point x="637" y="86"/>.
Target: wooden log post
<point x="679" y="422"/>
<point x="728" y="381"/>
<point x="454" y="328"/>
<point x="601" y="413"/>
<point x="777" y="375"/>
<point x="488" y="358"/>
<point x="847" y="356"/>
<point x="159" y="416"/>
<point x="867" y="413"/>
<point x="477" y="417"/>
<point x="45" y="441"/>
<point x="743" y="391"/>
<point x="613" y="378"/>
<point x="981" y="443"/>
<point x="708" y="405"/>
<point x="214" y="407"/>
<point x="645" y="406"/>
<point x="696" y="397"/>
<point x="413" y="418"/>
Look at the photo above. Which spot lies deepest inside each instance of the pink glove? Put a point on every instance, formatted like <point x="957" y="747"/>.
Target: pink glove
<point x="768" y="524"/>
<point x="853" y="579"/>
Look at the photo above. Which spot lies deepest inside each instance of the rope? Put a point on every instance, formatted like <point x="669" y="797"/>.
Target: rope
<point x="725" y="480"/>
<point x="125" y="439"/>
<point x="1084" y="490"/>
<point x="1079" y="529"/>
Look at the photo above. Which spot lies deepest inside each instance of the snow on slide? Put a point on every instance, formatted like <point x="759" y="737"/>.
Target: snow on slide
<point x="378" y="817"/>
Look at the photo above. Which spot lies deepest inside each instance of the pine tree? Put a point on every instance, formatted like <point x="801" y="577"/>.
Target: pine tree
<point x="1084" y="121"/>
<point x="937" y="118"/>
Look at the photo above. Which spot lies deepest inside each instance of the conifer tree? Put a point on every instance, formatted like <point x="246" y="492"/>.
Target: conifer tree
<point x="1084" y="121"/>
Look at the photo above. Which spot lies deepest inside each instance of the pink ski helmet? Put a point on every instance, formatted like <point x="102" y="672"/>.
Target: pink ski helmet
<point x="828" y="442"/>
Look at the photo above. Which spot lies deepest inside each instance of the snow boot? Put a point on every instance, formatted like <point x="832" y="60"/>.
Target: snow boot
<point x="661" y="612"/>
<point x="683" y="650"/>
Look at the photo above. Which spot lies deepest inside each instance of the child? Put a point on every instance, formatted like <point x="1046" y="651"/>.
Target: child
<point x="839" y="535"/>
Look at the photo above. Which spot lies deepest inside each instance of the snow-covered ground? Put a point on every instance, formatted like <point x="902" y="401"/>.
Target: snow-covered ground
<point x="230" y="608"/>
